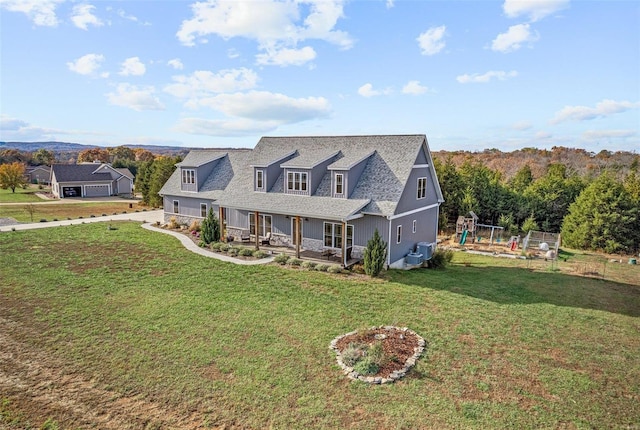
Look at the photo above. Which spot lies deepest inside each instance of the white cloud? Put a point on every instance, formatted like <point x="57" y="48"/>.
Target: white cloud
<point x="17" y="130"/>
<point x="275" y="25"/>
<point x="176" y="64"/>
<point x="87" y="64"/>
<point x="41" y="12"/>
<point x="267" y="106"/>
<point x="8" y="123"/>
<point x="233" y="53"/>
<point x="513" y="39"/>
<point x="367" y="91"/>
<point x="584" y="113"/>
<point x="390" y="4"/>
<point x="608" y="134"/>
<point x="136" y="98"/>
<point x="522" y="125"/>
<point x="431" y="40"/>
<point x="203" y="83"/>
<point x="83" y="16"/>
<point x="486" y="77"/>
<point x="414" y="87"/>
<point x="225" y="128"/>
<point x="132" y="67"/>
<point x="286" y="57"/>
<point x="533" y="9"/>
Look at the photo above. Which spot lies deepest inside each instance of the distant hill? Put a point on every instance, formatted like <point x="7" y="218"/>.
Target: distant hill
<point x="508" y="163"/>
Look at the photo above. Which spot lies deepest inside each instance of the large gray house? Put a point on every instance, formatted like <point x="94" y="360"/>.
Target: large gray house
<point x="325" y="194"/>
<point x="90" y="180"/>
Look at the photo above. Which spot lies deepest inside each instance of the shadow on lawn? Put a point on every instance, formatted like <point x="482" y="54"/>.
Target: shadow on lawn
<point x="508" y="285"/>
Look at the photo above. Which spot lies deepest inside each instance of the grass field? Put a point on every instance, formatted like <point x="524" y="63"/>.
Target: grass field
<point x="130" y="330"/>
<point x="61" y="211"/>
<point x="27" y="195"/>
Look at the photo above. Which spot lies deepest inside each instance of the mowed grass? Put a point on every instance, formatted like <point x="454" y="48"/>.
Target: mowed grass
<point x="61" y="211"/>
<point x="26" y="195"/>
<point x="247" y="346"/>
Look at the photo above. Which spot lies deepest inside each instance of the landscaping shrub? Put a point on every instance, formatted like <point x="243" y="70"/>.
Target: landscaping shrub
<point x="322" y="267"/>
<point x="173" y="223"/>
<point x="224" y="247"/>
<point x="215" y="246"/>
<point x="260" y="254"/>
<point x="195" y="225"/>
<point x="334" y="268"/>
<point x="375" y="255"/>
<point x="294" y="262"/>
<point x="232" y="252"/>
<point x="440" y="259"/>
<point x="309" y="265"/>
<point x="43" y="220"/>
<point x="281" y="259"/>
<point x="201" y="244"/>
<point x="210" y="228"/>
<point x="92" y="216"/>
<point x="246" y="252"/>
<point x="353" y="353"/>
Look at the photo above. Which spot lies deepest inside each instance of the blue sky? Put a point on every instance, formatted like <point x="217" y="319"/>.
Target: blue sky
<point x="470" y="75"/>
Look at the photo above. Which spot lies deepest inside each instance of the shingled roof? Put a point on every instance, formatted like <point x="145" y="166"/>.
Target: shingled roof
<point x="78" y="173"/>
<point x="389" y="160"/>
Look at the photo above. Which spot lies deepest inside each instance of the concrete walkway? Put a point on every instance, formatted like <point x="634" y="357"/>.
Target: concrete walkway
<point x="148" y="216"/>
<point x="188" y="243"/>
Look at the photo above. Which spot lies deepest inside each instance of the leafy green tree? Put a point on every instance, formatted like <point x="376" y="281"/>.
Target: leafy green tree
<point x="143" y="178"/>
<point x="603" y="217"/>
<point x="529" y="224"/>
<point x="162" y="169"/>
<point x="122" y="153"/>
<point x="12" y="176"/>
<point x="549" y="197"/>
<point x="484" y="193"/>
<point x="375" y="254"/>
<point x="451" y="186"/>
<point x="43" y="156"/>
<point x="522" y="179"/>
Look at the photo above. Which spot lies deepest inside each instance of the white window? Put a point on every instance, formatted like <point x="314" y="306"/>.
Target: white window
<point x="399" y="234"/>
<point x="339" y="184"/>
<point x="203" y="210"/>
<point x="188" y="176"/>
<point x="176" y="207"/>
<point x="422" y="188"/>
<point x="415" y="225"/>
<point x="333" y="235"/>
<point x="297" y="181"/>
<point x="259" y="179"/>
<point x="263" y="228"/>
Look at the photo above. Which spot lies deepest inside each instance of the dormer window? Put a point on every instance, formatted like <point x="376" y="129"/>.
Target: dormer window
<point x="339" y="188"/>
<point x="188" y="176"/>
<point x="259" y="180"/>
<point x="297" y="181"/>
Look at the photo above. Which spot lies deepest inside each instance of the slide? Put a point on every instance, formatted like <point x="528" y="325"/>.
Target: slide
<point x="463" y="238"/>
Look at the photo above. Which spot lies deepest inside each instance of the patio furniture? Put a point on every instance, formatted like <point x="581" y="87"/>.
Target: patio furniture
<point x="266" y="240"/>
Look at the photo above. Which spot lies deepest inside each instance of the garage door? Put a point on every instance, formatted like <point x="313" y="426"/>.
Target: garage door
<point x="71" y="191"/>
<point x="96" y="190"/>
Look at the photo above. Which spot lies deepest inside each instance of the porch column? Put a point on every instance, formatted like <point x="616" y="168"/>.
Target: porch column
<point x="257" y="215"/>
<point x="344" y="243"/>
<point x="298" y="236"/>
<point x="223" y="236"/>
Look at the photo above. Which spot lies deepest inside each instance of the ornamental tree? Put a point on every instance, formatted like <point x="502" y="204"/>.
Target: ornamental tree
<point x="375" y="255"/>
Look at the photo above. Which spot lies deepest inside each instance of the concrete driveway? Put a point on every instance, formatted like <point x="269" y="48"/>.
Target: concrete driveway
<point x="148" y="217"/>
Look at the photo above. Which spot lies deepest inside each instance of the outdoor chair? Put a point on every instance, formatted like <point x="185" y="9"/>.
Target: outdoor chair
<point x="266" y="240"/>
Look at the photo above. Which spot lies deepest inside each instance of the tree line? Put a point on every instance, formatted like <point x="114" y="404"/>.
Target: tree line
<point x="594" y="212"/>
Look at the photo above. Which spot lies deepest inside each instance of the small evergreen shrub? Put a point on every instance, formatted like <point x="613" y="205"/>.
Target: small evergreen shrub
<point x="308" y="265"/>
<point x="375" y="255"/>
<point x="281" y="259"/>
<point x="366" y="366"/>
<point x="104" y="215"/>
<point x="246" y="252"/>
<point x="294" y="262"/>
<point x="334" y="268"/>
<point x="92" y="216"/>
<point x="210" y="227"/>
<point x="43" y="220"/>
<point x="260" y="254"/>
<point x="440" y="259"/>
<point x="353" y="353"/>
<point x="322" y="267"/>
<point x="215" y="246"/>
<point x="232" y="252"/>
<point x="201" y="244"/>
<point x="224" y="247"/>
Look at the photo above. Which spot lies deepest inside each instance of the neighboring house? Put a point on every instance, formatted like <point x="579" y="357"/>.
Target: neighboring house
<point x="38" y="174"/>
<point x="325" y="194"/>
<point x="90" y="180"/>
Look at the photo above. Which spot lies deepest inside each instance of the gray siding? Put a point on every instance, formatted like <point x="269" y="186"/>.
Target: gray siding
<point x="426" y="221"/>
<point x="203" y="172"/>
<point x="188" y="206"/>
<point x="318" y="172"/>
<point x="409" y="200"/>
<point x="363" y="229"/>
<point x="354" y="175"/>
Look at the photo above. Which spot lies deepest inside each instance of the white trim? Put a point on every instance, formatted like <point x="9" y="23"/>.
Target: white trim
<point x="414" y="226"/>
<point x="398" y="234"/>
<point x="424" y="208"/>
<point x="173" y="209"/>
<point x="419" y="166"/>
<point x="389" y="243"/>
<point x="424" y="190"/>
<point x="206" y="209"/>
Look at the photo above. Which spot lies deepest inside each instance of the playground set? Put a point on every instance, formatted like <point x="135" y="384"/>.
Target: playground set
<point x="471" y="234"/>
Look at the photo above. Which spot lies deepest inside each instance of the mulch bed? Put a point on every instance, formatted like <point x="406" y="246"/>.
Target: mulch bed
<point x="397" y="343"/>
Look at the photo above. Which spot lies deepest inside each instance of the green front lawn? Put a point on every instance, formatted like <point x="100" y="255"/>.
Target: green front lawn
<point x="27" y="195"/>
<point x="247" y="346"/>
